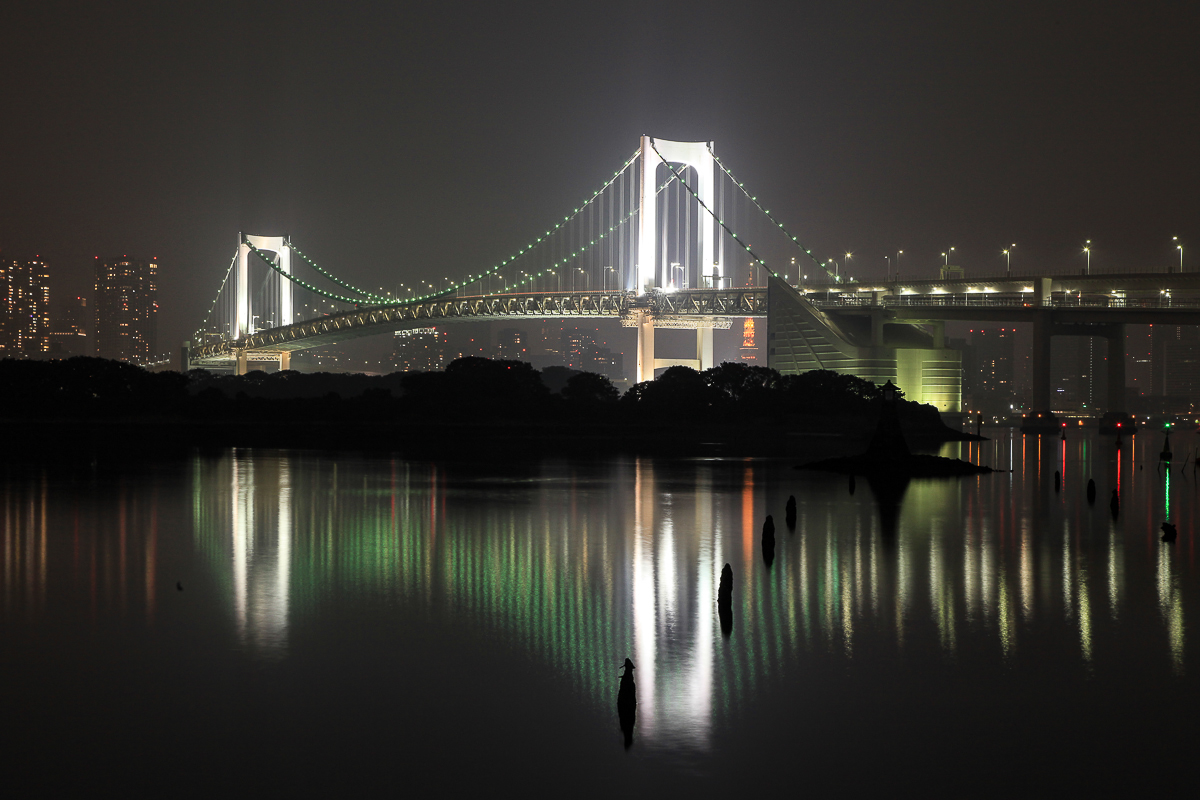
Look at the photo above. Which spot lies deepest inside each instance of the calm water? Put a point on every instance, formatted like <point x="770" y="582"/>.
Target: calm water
<point x="372" y="626"/>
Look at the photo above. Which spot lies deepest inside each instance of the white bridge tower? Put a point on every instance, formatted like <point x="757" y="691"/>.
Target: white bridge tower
<point x="243" y="323"/>
<point x="699" y="156"/>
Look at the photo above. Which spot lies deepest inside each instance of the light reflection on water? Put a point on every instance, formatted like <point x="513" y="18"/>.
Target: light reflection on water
<point x="583" y="564"/>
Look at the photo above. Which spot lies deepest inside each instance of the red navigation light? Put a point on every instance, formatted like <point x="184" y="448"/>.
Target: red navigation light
<point x="1118" y="424"/>
<point x="1064" y="424"/>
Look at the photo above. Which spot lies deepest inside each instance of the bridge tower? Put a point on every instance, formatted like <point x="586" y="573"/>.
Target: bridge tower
<point x="243" y="323"/>
<point x="699" y="156"/>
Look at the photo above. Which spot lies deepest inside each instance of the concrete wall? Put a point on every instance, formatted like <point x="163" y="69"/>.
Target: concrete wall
<point x="800" y="337"/>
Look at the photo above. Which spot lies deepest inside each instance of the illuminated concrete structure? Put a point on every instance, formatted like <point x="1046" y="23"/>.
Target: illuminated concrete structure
<point x="801" y="337"/>
<point x="126" y="311"/>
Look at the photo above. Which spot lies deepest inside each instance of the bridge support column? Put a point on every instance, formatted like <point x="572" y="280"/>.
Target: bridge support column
<point x="285" y="360"/>
<point x="241" y="363"/>
<point x="645" y="346"/>
<point x="704" y="348"/>
<point x="1041" y="291"/>
<point x="1115" y="337"/>
<point x="1040" y="401"/>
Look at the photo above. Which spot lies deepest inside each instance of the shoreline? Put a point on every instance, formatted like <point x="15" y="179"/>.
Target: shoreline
<point x="59" y="440"/>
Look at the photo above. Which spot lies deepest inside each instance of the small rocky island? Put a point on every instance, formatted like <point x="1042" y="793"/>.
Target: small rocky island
<point x="887" y="455"/>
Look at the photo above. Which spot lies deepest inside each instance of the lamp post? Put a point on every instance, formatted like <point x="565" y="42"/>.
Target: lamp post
<point x="675" y="265"/>
<point x="1087" y="251"/>
<point x="888" y="259"/>
<point x="898" y="254"/>
<point x="946" y="257"/>
<point x="613" y="270"/>
<point x="1178" y="247"/>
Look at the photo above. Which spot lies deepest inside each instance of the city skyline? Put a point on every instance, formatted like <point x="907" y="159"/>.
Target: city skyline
<point x="865" y="130"/>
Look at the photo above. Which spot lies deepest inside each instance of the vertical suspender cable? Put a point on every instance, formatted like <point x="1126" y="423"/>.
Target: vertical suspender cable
<point x="687" y="244"/>
<point x="720" y="231"/>
<point x="664" y="223"/>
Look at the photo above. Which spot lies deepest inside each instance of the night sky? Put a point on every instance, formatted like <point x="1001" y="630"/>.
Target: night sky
<point x="397" y="141"/>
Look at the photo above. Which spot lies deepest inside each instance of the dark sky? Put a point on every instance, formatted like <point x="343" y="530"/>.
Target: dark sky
<point x="401" y="140"/>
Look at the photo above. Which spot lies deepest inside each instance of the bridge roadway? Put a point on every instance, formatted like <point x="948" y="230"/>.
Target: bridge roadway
<point x="1092" y="305"/>
<point x="688" y="308"/>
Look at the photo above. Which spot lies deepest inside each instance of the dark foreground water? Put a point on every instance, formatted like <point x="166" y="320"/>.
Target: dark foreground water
<point x="378" y="626"/>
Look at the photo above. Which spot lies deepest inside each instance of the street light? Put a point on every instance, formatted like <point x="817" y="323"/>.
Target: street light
<point x="1087" y="249"/>
<point x="1178" y="247"/>
<point x="675" y="265"/>
<point x="613" y="270"/>
<point x="888" y="259"/>
<point x="946" y="257"/>
<point x="898" y="254"/>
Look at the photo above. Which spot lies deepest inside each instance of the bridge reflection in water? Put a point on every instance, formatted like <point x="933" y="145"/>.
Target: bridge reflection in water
<point x="581" y="565"/>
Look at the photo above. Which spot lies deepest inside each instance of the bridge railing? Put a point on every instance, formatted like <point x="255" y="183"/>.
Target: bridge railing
<point x="987" y="300"/>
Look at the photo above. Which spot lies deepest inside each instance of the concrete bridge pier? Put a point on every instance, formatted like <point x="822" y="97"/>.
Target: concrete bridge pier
<point x="1115" y="338"/>
<point x="1041" y="363"/>
<point x="646" y="361"/>
<point x="242" y="367"/>
<point x="645" y="345"/>
<point x="1114" y="335"/>
<point x="285" y="360"/>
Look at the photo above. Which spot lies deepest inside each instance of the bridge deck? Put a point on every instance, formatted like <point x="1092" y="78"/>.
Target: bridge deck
<point x="1136" y="298"/>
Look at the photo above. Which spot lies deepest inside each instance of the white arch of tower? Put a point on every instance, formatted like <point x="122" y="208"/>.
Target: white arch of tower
<point x="243" y="325"/>
<point x="699" y="156"/>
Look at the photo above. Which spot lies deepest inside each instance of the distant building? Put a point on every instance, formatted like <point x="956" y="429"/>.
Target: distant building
<point x="419" y="350"/>
<point x="126" y="310"/>
<point x="512" y="345"/>
<point x="1077" y="373"/>
<point x="24" y="309"/>
<point x="1175" y="364"/>
<point x="68" y="329"/>
<point x="749" y="349"/>
<point x="581" y="351"/>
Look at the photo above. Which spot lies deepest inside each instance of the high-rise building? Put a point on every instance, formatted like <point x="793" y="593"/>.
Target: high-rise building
<point x="988" y="369"/>
<point x="1077" y="373"/>
<point x="126" y="311"/>
<point x="583" y="352"/>
<point x="511" y="345"/>
<point x="1175" y="363"/>
<point x="68" y="329"/>
<point x="24" y="308"/>
<point x="749" y="349"/>
<point x="420" y="350"/>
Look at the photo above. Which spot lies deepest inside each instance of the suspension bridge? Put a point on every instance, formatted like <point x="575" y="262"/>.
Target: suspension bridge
<point x="674" y="241"/>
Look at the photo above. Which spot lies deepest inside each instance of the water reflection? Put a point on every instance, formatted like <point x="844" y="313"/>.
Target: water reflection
<point x="584" y="565"/>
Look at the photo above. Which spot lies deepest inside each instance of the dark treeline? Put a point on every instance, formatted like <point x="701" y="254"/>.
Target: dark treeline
<point x="468" y="391"/>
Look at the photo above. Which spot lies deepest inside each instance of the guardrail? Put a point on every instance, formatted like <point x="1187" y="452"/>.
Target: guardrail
<point x="981" y="300"/>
